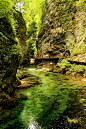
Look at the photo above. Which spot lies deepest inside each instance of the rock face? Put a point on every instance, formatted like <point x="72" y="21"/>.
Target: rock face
<point x="51" y="39"/>
<point x="21" y="32"/>
<point x="10" y="55"/>
<point x="63" y="29"/>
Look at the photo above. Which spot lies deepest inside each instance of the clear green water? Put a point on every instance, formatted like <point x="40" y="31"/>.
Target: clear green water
<point x="49" y="104"/>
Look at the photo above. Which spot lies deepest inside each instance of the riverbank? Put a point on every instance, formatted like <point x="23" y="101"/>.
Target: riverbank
<point x="66" y="68"/>
<point x="25" y="80"/>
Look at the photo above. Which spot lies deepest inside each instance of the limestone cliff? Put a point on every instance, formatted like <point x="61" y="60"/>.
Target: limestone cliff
<point x="63" y="30"/>
<point x="10" y="54"/>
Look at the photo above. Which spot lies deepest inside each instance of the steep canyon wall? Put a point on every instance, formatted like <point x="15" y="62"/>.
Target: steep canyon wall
<point x="10" y="53"/>
<point x="21" y="34"/>
<point x="63" y="30"/>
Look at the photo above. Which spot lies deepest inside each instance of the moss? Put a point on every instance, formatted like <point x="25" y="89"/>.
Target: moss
<point x="66" y="17"/>
<point x="77" y="49"/>
<point x="9" y="43"/>
<point x="0" y="82"/>
<point x="67" y="14"/>
<point x="72" y="120"/>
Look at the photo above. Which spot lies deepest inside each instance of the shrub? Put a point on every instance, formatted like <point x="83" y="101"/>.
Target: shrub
<point x="64" y="63"/>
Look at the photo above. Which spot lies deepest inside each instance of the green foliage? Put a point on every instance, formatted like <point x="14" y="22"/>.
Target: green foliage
<point x="8" y="38"/>
<point x="60" y="59"/>
<point x="6" y="11"/>
<point x="77" y="68"/>
<point x="8" y="49"/>
<point x="31" y="37"/>
<point x="82" y="5"/>
<point x="66" y="15"/>
<point x="2" y="36"/>
<point x="5" y="7"/>
<point x="30" y="47"/>
<point x="78" y="47"/>
<point x="0" y="82"/>
<point x="11" y="21"/>
<point x="32" y="12"/>
<point x="64" y="63"/>
<point x="32" y="29"/>
<point x="71" y="67"/>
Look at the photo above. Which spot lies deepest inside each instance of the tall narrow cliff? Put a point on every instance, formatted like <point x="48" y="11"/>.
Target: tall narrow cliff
<point x="12" y="47"/>
<point x="63" y="30"/>
<point x="21" y="34"/>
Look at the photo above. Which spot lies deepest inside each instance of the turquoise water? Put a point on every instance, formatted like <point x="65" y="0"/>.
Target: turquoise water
<point x="53" y="104"/>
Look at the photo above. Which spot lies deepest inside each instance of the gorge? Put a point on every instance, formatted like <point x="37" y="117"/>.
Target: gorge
<point x="52" y="37"/>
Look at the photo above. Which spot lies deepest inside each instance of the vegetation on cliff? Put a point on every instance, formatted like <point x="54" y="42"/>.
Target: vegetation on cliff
<point x="65" y="67"/>
<point x="10" y="50"/>
<point x="32" y="12"/>
<point x="8" y="31"/>
<point x="72" y="19"/>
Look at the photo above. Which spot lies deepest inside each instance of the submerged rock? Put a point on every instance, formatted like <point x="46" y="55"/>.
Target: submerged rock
<point x="27" y="79"/>
<point x="48" y="109"/>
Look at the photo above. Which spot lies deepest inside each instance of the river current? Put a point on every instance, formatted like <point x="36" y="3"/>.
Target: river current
<point x="58" y="102"/>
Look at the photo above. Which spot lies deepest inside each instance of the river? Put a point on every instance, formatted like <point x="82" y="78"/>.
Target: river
<point x="58" y="102"/>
